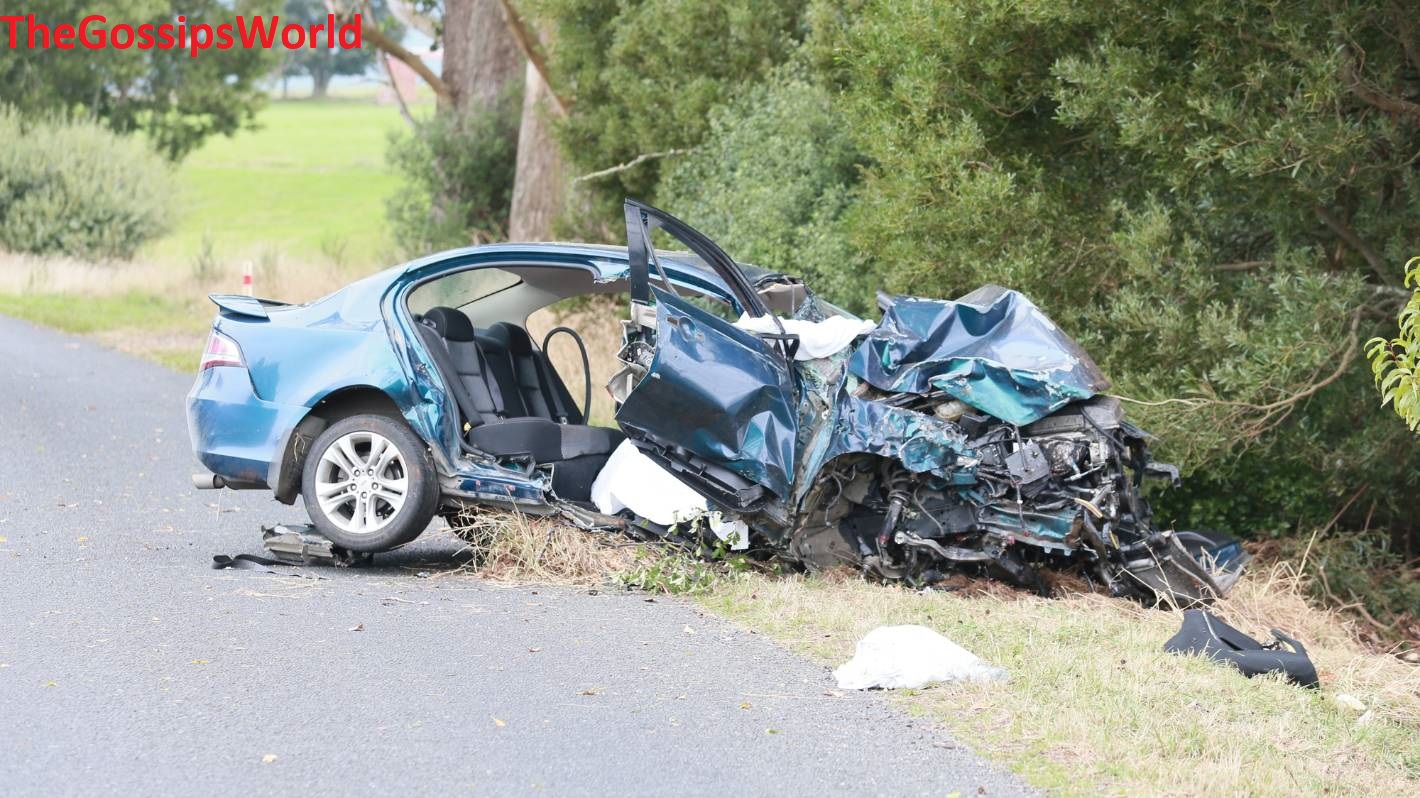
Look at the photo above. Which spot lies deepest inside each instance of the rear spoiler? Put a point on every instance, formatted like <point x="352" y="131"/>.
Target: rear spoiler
<point x="241" y="305"/>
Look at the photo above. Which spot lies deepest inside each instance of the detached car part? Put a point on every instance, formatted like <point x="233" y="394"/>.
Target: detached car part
<point x="1203" y="633"/>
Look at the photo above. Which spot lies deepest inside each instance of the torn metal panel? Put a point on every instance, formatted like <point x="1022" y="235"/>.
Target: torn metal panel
<point x="992" y="349"/>
<point x="718" y="392"/>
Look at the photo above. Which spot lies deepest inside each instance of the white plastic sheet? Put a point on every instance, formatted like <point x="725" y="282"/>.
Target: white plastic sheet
<point x="632" y="481"/>
<point x="911" y="656"/>
<point x="816" y="338"/>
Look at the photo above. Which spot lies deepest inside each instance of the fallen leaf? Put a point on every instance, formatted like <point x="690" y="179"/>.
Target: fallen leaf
<point x="771" y="731"/>
<point x="200" y="662"/>
<point x="51" y="683"/>
<point x="268" y="759"/>
<point x="591" y="691"/>
<point x="746" y="705"/>
<point x="499" y="722"/>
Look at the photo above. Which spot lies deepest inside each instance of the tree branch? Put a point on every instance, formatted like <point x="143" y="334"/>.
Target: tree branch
<point x="637" y="161"/>
<point x="1375" y="97"/>
<point x="1354" y="241"/>
<point x="1241" y="266"/>
<point x="1252" y="419"/>
<point x="396" y="50"/>
<point x="527" y="42"/>
<point x="414" y="62"/>
<point x="394" y="87"/>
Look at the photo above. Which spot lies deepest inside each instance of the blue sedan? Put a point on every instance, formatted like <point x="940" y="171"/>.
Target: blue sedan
<point x="969" y="435"/>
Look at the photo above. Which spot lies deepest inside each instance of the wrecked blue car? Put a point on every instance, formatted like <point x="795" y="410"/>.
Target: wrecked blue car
<point x="968" y="435"/>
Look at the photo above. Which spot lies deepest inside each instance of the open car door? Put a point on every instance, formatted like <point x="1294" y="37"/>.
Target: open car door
<point x="712" y="402"/>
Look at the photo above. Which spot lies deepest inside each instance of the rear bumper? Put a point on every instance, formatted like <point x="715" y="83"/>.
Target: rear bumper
<point x="234" y="433"/>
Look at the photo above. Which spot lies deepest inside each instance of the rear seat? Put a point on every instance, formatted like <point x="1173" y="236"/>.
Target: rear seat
<point x="513" y="400"/>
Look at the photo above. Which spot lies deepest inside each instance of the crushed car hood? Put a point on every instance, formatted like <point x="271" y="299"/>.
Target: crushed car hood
<point x="992" y="349"/>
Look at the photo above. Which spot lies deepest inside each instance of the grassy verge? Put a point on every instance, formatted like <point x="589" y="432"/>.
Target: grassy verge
<point x="1093" y="705"/>
<point x="170" y="332"/>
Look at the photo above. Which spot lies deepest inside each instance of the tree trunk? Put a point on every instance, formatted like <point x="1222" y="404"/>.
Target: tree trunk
<point x="539" y="182"/>
<point x="481" y="60"/>
<point x="320" y="83"/>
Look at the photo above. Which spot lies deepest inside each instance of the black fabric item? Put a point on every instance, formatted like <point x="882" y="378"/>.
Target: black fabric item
<point x="451" y="323"/>
<point x="542" y="392"/>
<point x="536" y="377"/>
<point x="465" y="359"/>
<point x="572" y="479"/>
<point x="538" y="437"/>
<point x="1203" y="633"/>
<point x="507" y="393"/>
<point x="439" y="351"/>
<point x="519" y="385"/>
<point x="545" y="440"/>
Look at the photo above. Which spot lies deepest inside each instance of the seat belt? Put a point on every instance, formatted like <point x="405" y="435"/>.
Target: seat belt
<point x="549" y="387"/>
<point x="494" y="392"/>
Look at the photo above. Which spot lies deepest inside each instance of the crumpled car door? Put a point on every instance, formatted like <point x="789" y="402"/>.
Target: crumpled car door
<point x="716" y="393"/>
<point x="717" y="403"/>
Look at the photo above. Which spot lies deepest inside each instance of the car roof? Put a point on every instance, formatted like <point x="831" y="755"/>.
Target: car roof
<point x="615" y="256"/>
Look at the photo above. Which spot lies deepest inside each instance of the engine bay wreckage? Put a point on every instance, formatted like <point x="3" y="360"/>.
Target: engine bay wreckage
<point x="952" y="435"/>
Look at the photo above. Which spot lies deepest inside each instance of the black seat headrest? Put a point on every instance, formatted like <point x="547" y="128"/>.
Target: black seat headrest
<point x="450" y="323"/>
<point x="494" y="339"/>
<point x="518" y="340"/>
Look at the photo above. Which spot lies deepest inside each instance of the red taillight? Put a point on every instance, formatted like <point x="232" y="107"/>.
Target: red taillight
<point x="220" y="351"/>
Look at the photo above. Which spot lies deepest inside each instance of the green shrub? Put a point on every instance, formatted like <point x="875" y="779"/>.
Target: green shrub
<point x="770" y="183"/>
<point x="1396" y="362"/>
<point x="73" y="187"/>
<point x="458" y="173"/>
<point x="1217" y="217"/>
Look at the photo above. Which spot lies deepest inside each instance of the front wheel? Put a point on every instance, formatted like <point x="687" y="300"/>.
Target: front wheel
<point x="369" y="483"/>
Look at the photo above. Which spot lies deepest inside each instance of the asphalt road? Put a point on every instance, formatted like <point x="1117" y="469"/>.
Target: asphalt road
<point x="128" y="666"/>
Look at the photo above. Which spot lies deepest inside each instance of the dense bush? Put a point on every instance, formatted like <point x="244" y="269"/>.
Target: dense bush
<point x="458" y="178"/>
<point x="1215" y="198"/>
<point x="75" y="188"/>
<point x="645" y="77"/>
<point x="770" y="183"/>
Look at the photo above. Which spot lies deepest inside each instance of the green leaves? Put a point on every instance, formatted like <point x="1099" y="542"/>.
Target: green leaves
<point x="1396" y="361"/>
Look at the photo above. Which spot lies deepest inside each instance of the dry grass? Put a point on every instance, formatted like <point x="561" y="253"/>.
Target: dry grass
<point x="275" y="277"/>
<point x="512" y="547"/>
<point x="156" y="310"/>
<point x="1094" y="706"/>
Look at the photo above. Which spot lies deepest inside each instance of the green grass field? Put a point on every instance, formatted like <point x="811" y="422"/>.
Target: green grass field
<point x="310" y="182"/>
<point x="301" y="197"/>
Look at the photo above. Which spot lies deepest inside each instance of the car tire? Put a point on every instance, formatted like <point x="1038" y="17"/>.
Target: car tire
<point x="369" y="483"/>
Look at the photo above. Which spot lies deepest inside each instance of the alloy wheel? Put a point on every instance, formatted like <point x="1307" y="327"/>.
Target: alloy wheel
<point x="361" y="482"/>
